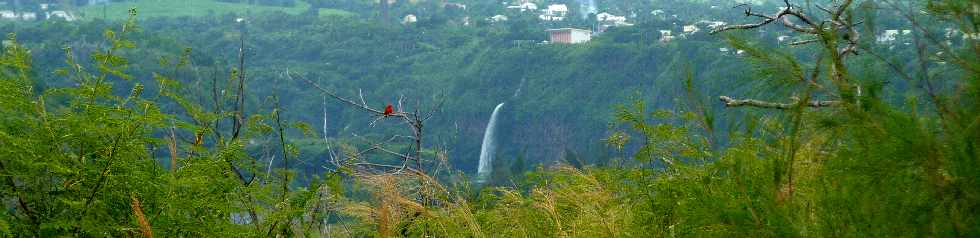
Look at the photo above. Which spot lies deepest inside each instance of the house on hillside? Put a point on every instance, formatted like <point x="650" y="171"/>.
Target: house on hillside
<point x="554" y="12"/>
<point x="9" y="15"/>
<point x="711" y="24"/>
<point x="409" y="19"/>
<point x="691" y="29"/>
<point x="606" y="20"/>
<point x="60" y="14"/>
<point x="569" y="35"/>
<point x="611" y="19"/>
<point x="559" y="10"/>
<point x="497" y="18"/>
<point x="527" y="6"/>
<point x="666" y="36"/>
<point x="887" y="36"/>
<point x="727" y="51"/>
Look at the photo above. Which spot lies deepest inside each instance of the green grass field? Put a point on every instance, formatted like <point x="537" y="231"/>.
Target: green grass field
<point x="175" y="8"/>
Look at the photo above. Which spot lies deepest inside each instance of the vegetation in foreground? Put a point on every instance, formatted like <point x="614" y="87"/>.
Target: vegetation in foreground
<point x="837" y="158"/>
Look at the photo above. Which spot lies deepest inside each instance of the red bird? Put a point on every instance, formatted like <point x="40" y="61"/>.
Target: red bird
<point x="389" y="110"/>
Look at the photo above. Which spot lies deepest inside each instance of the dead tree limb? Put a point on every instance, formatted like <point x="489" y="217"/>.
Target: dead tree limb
<point x="834" y="29"/>
<point x="788" y="10"/>
<point x="804" y="42"/>
<point x="731" y="102"/>
<point x="837" y="22"/>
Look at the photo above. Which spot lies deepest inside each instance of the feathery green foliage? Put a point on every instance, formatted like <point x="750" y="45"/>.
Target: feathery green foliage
<point x="891" y="157"/>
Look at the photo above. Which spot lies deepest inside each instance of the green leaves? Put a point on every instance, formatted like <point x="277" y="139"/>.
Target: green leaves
<point x="73" y="164"/>
<point x="661" y="140"/>
<point x="777" y="68"/>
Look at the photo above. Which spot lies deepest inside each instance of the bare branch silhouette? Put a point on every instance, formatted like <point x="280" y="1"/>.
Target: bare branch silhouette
<point x="835" y="30"/>
<point x="731" y="102"/>
<point x="414" y="121"/>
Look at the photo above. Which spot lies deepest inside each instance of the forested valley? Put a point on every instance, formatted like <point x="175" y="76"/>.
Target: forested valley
<point x="476" y="118"/>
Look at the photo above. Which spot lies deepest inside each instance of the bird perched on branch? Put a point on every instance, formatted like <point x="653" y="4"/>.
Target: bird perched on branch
<point x="389" y="110"/>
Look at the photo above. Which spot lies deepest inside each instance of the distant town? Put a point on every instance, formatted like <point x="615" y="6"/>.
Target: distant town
<point x="545" y="12"/>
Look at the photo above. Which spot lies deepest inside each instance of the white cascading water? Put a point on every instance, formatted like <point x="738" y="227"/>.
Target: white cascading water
<point x="489" y="147"/>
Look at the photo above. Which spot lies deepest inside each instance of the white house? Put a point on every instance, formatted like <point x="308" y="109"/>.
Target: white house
<point x="28" y="16"/>
<point x="612" y="19"/>
<point x="691" y="29"/>
<point x="60" y="14"/>
<point x="569" y="35"/>
<point x="887" y="36"/>
<point x="497" y="18"/>
<point x="9" y="15"/>
<point x="666" y="36"/>
<point x="711" y="24"/>
<point x="554" y="12"/>
<point x="528" y="6"/>
<point x="603" y="15"/>
<point x="44" y="6"/>
<point x="607" y="20"/>
<point x="409" y="19"/>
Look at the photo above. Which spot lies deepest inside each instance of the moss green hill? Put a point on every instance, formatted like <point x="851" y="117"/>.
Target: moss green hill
<point x="165" y="8"/>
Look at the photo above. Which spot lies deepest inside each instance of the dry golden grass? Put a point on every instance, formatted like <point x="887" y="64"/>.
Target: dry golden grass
<point x="576" y="204"/>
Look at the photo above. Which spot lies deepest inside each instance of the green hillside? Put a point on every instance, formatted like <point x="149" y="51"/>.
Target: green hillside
<point x="174" y="8"/>
<point x="478" y="118"/>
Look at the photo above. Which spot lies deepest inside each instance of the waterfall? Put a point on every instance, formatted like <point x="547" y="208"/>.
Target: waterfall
<point x="489" y="147"/>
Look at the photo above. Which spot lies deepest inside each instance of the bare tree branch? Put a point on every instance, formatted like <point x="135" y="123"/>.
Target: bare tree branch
<point x="414" y="120"/>
<point x="810" y="27"/>
<point x="835" y="31"/>
<point x="731" y="102"/>
<point x="804" y="42"/>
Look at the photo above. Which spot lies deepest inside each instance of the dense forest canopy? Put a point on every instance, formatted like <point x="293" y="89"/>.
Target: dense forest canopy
<point x="475" y="118"/>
